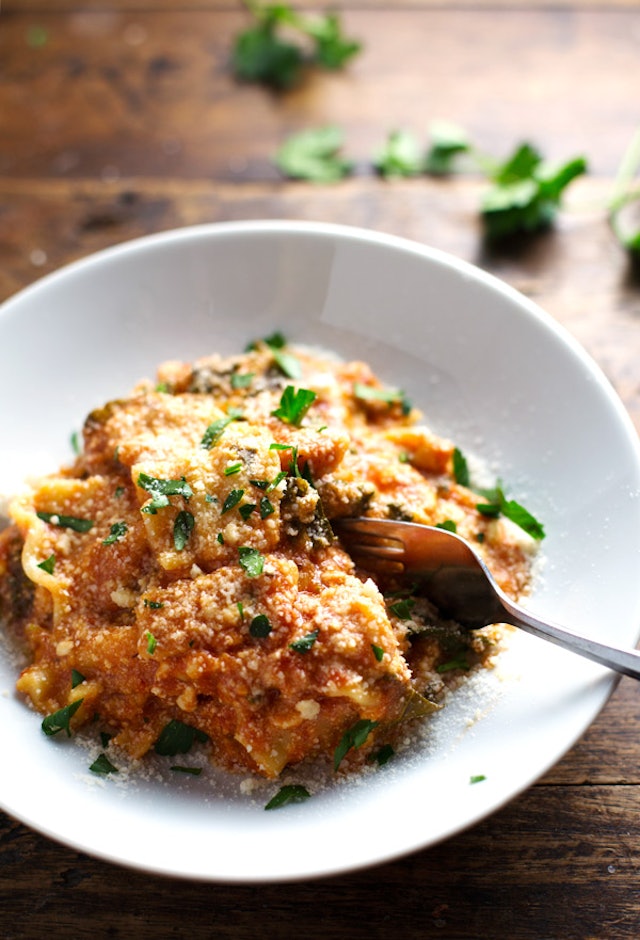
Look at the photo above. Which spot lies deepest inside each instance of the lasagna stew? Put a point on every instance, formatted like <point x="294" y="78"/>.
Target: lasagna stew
<point x="183" y="571"/>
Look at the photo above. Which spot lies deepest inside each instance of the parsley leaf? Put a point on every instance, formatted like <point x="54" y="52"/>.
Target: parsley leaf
<point x="400" y="155"/>
<point x="182" y="529"/>
<point x="161" y="490"/>
<point x="382" y="756"/>
<point x="391" y="396"/>
<point x="102" y="765"/>
<point x="526" y="193"/>
<point x="177" y="738"/>
<point x="403" y="608"/>
<point x="460" y="468"/>
<point x="60" y="719"/>
<point x="215" y="431"/>
<point x="624" y="207"/>
<point x="251" y="560"/>
<point x="498" y="504"/>
<point x="294" y="404"/>
<point x="118" y="531"/>
<point x="76" y="678"/>
<point x="260" y="55"/>
<point x="241" y="380"/>
<point x="48" y="564"/>
<point x="233" y="498"/>
<point x="291" y="793"/>
<point x="304" y="644"/>
<point x="354" y="737"/>
<point x="260" y="626"/>
<point x="66" y="522"/>
<point x="448" y="141"/>
<point x="151" y="643"/>
<point x="313" y="155"/>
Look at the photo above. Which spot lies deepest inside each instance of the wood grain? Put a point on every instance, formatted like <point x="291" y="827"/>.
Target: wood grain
<point x="157" y="99"/>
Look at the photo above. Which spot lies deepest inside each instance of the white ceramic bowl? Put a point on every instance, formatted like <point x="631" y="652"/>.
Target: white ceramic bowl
<point x="490" y="371"/>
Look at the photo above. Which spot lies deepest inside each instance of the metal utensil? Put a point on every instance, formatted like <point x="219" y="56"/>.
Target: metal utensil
<point x="456" y="580"/>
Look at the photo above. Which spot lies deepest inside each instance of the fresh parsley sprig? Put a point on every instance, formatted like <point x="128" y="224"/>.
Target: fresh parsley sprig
<point x="624" y="207"/>
<point x="294" y="404"/>
<point x="266" y="52"/>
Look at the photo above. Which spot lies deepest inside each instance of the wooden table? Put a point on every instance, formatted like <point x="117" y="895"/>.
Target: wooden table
<point x="119" y="118"/>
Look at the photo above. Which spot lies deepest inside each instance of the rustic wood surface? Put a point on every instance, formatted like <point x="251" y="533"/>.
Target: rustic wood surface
<point x="120" y="118"/>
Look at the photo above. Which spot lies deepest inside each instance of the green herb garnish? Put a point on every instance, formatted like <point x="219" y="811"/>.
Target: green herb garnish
<point x="448" y="141"/>
<point x="403" y="608"/>
<point x="59" y="720"/>
<point x="354" y="737"/>
<point x="460" y="662"/>
<point x="48" y="564"/>
<point x="66" y="522"/>
<point x="260" y="626"/>
<point x="251" y="560"/>
<point x="76" y="678"/>
<point x="151" y="643"/>
<point x="153" y="605"/>
<point x="102" y="765"/>
<point x="215" y="431"/>
<point x="526" y="192"/>
<point x="242" y="380"/>
<point x="118" y="531"/>
<point x="304" y="644"/>
<point x="233" y="498"/>
<point x="266" y="507"/>
<point x="291" y="793"/>
<point x="448" y="525"/>
<point x="182" y="529"/>
<point x="389" y="396"/>
<point x="382" y="756"/>
<point x="497" y="504"/>
<point x="400" y="156"/>
<point x="294" y="404"/>
<point x="177" y="738"/>
<point x="314" y="155"/>
<point x="477" y="778"/>
<point x="161" y="490"/>
<point x="246" y="510"/>
<point x="232" y="468"/>
<point x="460" y="467"/>
<point x="378" y="652"/>
<point x="194" y="771"/>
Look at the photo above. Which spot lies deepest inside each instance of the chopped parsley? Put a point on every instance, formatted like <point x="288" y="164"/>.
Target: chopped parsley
<point x="153" y="605"/>
<point x="291" y="793"/>
<point x="182" y="529"/>
<point x="251" y="560"/>
<point x="102" y="765"/>
<point x="215" y="431"/>
<point x="60" y="719"/>
<point x="305" y="643"/>
<point x="391" y="396"/>
<point x="354" y="737"/>
<point x="66" y="522"/>
<point x="233" y="498"/>
<point x="378" y="652"/>
<point x="382" y="756"/>
<point x="232" y="468"/>
<point x="288" y="364"/>
<point x="403" y="608"/>
<point x="151" y="643"/>
<point x="177" y="738"/>
<point x="460" y="467"/>
<point x="266" y="507"/>
<point x="246" y="510"/>
<point x="448" y="141"/>
<point x="260" y="626"/>
<point x="76" y="678"/>
<point x="48" y="564"/>
<point x="241" y="380"/>
<point x="460" y="662"/>
<point x="294" y="404"/>
<point x="477" y="778"/>
<point x="161" y="490"/>
<point x="399" y="156"/>
<point x="118" y="531"/>
<point x="449" y="525"/>
<point x="497" y="504"/>
<point x="181" y="769"/>
<point x="76" y="447"/>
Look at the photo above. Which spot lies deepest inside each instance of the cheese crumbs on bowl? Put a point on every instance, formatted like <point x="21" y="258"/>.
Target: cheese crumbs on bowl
<point x="182" y="582"/>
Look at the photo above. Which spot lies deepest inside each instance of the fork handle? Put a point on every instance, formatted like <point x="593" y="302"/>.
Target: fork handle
<point x="625" y="661"/>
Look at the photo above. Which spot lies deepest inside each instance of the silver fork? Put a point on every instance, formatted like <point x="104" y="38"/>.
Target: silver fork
<point x="456" y="580"/>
